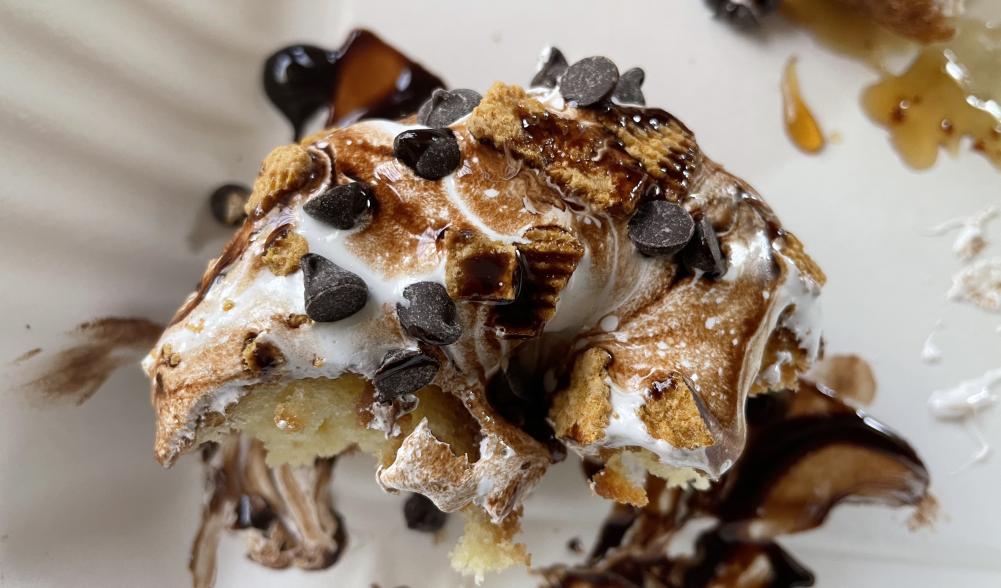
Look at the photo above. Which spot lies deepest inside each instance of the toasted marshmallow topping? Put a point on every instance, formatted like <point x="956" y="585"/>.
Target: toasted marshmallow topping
<point x="555" y="190"/>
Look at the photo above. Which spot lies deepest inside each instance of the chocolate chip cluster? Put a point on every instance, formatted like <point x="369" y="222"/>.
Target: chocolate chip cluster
<point x="590" y="81"/>
<point x="658" y="228"/>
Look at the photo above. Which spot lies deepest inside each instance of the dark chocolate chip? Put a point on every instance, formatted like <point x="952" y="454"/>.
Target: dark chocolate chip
<point x="703" y="252"/>
<point x="627" y="90"/>
<point x="660" y="227"/>
<point x="341" y="206"/>
<point x="552" y="67"/>
<point x="227" y="202"/>
<point x="422" y="515"/>
<point x="589" y="81"/>
<point x="428" y="314"/>
<point x="403" y="371"/>
<point x="431" y="153"/>
<point x="444" y="107"/>
<point x="331" y="292"/>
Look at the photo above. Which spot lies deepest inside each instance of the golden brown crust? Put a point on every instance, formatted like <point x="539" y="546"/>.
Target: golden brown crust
<point x="282" y="254"/>
<point x="580" y="412"/>
<point x="664" y="146"/>
<point x="479" y="268"/>
<point x="671" y="414"/>
<point x="564" y="149"/>
<point x="284" y="169"/>
<point x="550" y="255"/>
<point x="792" y="247"/>
<point x="616" y="482"/>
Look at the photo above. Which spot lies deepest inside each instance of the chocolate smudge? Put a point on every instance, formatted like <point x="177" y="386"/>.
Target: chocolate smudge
<point x="27" y="355"/>
<point x="849" y="376"/>
<point x="100" y="347"/>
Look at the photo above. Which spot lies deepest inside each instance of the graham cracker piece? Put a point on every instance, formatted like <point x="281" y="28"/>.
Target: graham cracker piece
<point x="662" y="144"/>
<point x="284" y="169"/>
<point x="580" y="158"/>
<point x="498" y="117"/>
<point x="550" y="254"/>
<point x="581" y="411"/>
<point x="480" y="269"/>
<point x="282" y="251"/>
<point x="671" y="414"/>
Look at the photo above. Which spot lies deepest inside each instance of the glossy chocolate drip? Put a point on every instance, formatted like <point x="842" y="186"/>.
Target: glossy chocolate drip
<point x="520" y="399"/>
<point x="776" y="443"/>
<point x="364" y="78"/>
<point x="766" y="487"/>
<point x="713" y="548"/>
<point x="613" y="530"/>
<point x="680" y="164"/>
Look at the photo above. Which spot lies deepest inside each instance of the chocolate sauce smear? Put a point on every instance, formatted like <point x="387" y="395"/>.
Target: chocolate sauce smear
<point x="98" y="348"/>
<point x="364" y="78"/>
<point x="806" y="453"/>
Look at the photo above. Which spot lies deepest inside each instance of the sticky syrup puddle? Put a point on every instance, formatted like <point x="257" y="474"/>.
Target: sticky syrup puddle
<point x="947" y="97"/>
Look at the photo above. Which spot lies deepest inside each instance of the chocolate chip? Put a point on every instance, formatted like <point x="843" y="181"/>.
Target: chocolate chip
<point x="431" y="153"/>
<point x="444" y="107"/>
<point x="403" y="371"/>
<point x="627" y="91"/>
<point x="428" y="314"/>
<point x="589" y="80"/>
<point x="422" y="515"/>
<point x="331" y="292"/>
<point x="703" y="252"/>
<point x="341" y="206"/>
<point x="227" y="202"/>
<point x="660" y="227"/>
<point x="552" y="66"/>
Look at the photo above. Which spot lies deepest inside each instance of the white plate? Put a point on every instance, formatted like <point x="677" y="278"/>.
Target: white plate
<point x="117" y="117"/>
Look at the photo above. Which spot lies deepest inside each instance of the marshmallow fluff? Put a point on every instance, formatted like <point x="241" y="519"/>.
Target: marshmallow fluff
<point x="605" y="302"/>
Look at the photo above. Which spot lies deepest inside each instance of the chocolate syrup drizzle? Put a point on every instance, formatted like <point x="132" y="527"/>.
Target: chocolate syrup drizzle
<point x="785" y="430"/>
<point x="286" y="511"/>
<point x="364" y="78"/>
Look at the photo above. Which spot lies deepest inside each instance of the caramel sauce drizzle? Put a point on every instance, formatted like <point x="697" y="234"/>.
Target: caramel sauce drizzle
<point x="948" y="94"/>
<point x="935" y="102"/>
<point x="800" y="123"/>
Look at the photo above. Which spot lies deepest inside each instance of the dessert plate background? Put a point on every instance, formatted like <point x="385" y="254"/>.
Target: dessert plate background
<point x="117" y="118"/>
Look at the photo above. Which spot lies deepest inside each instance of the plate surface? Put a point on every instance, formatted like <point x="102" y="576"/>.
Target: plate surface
<point x="117" y="118"/>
